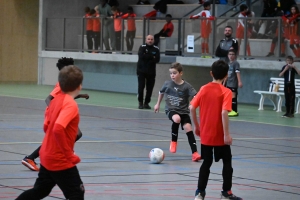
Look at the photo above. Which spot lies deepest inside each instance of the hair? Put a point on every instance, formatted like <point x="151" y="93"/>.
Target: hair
<point x="243" y="7"/>
<point x="231" y="50"/>
<point x="70" y="78"/>
<point x="206" y="4"/>
<point x="290" y="58"/>
<point x="130" y="8"/>
<point x="168" y="15"/>
<point x="87" y="9"/>
<point x="229" y="27"/>
<point x="296" y="8"/>
<point x="93" y="11"/>
<point x="219" y="69"/>
<point x="176" y="66"/>
<point x="115" y="9"/>
<point x="61" y="63"/>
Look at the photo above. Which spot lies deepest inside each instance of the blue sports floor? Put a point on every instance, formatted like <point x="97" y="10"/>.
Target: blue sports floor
<point x="117" y="138"/>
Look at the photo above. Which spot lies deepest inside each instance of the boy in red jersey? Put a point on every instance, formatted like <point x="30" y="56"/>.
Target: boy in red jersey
<point x="89" y="28"/>
<point x="28" y="161"/>
<point x="214" y="102"/>
<point x="205" y="27"/>
<point x="166" y="31"/>
<point x="58" y="160"/>
<point x="131" y="29"/>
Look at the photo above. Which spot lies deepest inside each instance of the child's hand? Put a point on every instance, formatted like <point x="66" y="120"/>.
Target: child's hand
<point x="197" y="131"/>
<point x="156" y="108"/>
<point x="86" y="96"/>
<point x="240" y="84"/>
<point x="228" y="139"/>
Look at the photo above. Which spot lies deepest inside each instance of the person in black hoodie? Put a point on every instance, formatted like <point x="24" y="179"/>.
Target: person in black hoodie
<point x="149" y="55"/>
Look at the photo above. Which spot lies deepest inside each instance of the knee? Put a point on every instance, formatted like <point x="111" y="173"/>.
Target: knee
<point x="274" y="40"/>
<point x="207" y="163"/>
<point x="187" y="127"/>
<point x="176" y="119"/>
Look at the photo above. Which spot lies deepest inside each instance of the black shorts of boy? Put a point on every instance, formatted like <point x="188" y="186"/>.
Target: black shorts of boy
<point x="185" y="118"/>
<point x="235" y="90"/>
<point x="219" y="152"/>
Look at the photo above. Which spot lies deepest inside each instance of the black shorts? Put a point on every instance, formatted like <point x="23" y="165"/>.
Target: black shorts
<point x="220" y="152"/>
<point x="185" y="118"/>
<point x="233" y="90"/>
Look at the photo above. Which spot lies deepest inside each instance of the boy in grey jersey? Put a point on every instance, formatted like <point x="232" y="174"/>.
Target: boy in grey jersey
<point x="177" y="93"/>
<point x="233" y="81"/>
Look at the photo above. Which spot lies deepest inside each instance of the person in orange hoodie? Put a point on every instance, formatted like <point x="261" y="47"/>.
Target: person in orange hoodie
<point x="117" y="14"/>
<point x="89" y="28"/>
<point x="96" y="29"/>
<point x="292" y="21"/>
<point x="131" y="29"/>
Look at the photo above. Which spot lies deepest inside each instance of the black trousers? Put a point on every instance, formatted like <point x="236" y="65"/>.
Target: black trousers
<point x="156" y="37"/>
<point x="220" y="152"/>
<point x="148" y="81"/>
<point x="118" y="40"/>
<point x="96" y="37"/>
<point x="89" y="39"/>
<point x="130" y="35"/>
<point x="68" y="181"/>
<point x="289" y="93"/>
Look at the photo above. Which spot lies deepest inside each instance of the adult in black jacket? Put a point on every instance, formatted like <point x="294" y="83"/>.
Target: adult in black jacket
<point x="149" y="55"/>
<point x="226" y="44"/>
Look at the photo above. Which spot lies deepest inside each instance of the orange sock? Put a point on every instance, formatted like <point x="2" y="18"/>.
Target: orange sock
<point x="203" y="47"/>
<point x="248" y="50"/>
<point x="272" y="48"/>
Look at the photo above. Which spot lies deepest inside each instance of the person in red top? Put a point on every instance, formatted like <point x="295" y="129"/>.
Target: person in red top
<point x="28" y="161"/>
<point x="292" y="21"/>
<point x="206" y="28"/>
<point x="58" y="160"/>
<point x="214" y="102"/>
<point x="117" y="26"/>
<point x="96" y="29"/>
<point x="131" y="29"/>
<point x="166" y="31"/>
<point x="89" y="28"/>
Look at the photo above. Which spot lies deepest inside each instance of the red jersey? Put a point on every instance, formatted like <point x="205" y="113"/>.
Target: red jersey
<point x="89" y="22"/>
<point x="118" y="22"/>
<point x="60" y="126"/>
<point x="130" y="21"/>
<point x="212" y="99"/>
<point x="96" y="23"/>
<point x="293" y="23"/>
<point x="56" y="90"/>
<point x="169" y="26"/>
<point x="205" y="24"/>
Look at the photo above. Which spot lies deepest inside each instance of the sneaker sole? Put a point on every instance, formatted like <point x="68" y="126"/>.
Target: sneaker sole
<point x="29" y="166"/>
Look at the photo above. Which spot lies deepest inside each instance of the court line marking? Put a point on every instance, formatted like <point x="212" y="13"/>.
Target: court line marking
<point x="106" y="106"/>
<point x="117" y="141"/>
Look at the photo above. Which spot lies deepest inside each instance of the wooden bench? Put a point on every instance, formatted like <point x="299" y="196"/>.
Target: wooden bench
<point x="279" y="95"/>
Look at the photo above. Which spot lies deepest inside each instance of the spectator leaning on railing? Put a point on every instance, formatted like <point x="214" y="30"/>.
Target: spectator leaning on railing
<point x="131" y="28"/>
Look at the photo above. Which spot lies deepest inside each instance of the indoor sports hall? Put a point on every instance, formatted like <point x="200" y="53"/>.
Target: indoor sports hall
<point x="117" y="138"/>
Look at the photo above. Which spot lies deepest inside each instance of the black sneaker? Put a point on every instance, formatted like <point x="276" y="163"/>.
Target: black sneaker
<point x="229" y="195"/>
<point x="290" y="116"/>
<point x="270" y="54"/>
<point x="146" y="106"/>
<point x="141" y="106"/>
<point x="199" y="195"/>
<point x="285" y="115"/>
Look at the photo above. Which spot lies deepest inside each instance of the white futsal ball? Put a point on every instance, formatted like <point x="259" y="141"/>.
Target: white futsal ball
<point x="156" y="155"/>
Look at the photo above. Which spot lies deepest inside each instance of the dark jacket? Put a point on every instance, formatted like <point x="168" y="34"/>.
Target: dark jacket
<point x="224" y="46"/>
<point x="148" y="57"/>
<point x="270" y="8"/>
<point x="286" y="5"/>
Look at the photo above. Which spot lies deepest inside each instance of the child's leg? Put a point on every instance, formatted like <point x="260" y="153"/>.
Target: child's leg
<point x="35" y="154"/>
<point x="207" y="155"/>
<point x="248" y="48"/>
<point x="175" y="126"/>
<point x="191" y="138"/>
<point x="79" y="134"/>
<point x="42" y="187"/>
<point x="227" y="167"/>
<point x="70" y="183"/>
<point x="234" y="100"/>
<point x="287" y="99"/>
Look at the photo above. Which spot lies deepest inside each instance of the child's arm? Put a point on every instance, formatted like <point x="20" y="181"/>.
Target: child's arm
<point x="195" y="120"/>
<point x="297" y="70"/>
<point x="238" y="75"/>
<point x="225" y="122"/>
<point x="284" y="70"/>
<point x="157" y="105"/>
<point x="86" y="96"/>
